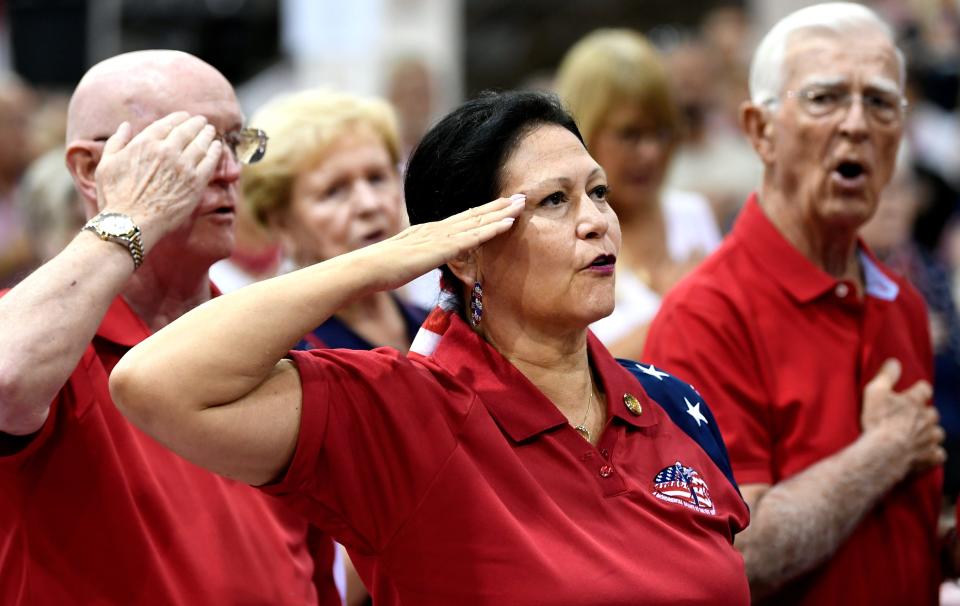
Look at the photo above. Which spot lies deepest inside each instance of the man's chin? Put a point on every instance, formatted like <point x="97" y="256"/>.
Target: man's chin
<point x="850" y="212"/>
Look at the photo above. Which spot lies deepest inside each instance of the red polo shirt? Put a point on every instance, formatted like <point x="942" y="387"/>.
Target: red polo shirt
<point x="453" y="480"/>
<point x="782" y="352"/>
<point x="93" y="511"/>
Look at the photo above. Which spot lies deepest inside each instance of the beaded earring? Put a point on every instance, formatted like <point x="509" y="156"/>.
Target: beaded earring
<point x="476" y="304"/>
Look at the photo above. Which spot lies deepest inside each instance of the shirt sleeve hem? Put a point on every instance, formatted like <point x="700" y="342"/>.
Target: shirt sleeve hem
<point x="313" y="424"/>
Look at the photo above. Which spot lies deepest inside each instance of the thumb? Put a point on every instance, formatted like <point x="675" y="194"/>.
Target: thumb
<point x="888" y="375"/>
<point x="119" y="139"/>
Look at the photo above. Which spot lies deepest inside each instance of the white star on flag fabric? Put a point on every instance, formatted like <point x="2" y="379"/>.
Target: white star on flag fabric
<point x="694" y="411"/>
<point x="653" y="372"/>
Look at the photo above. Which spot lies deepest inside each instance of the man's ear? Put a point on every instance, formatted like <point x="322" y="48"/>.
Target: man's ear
<point x="82" y="158"/>
<point x="755" y="120"/>
<point x="466" y="267"/>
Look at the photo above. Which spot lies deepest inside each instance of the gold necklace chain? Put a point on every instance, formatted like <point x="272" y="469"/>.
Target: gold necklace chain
<point x="582" y="427"/>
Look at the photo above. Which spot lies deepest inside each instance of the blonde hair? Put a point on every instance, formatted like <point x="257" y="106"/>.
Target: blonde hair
<point x="609" y="67"/>
<point x="302" y="127"/>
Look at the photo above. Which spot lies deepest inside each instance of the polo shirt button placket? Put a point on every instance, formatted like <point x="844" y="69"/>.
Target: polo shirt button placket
<point x="842" y="290"/>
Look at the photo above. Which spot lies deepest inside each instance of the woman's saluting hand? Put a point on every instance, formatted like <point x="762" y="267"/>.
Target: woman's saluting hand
<point x="421" y="248"/>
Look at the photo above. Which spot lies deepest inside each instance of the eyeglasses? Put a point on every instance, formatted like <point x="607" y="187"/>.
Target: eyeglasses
<point x="248" y="145"/>
<point x="820" y="101"/>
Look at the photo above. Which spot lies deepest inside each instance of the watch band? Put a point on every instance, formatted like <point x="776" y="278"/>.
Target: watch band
<point x="131" y="240"/>
<point x="135" y="246"/>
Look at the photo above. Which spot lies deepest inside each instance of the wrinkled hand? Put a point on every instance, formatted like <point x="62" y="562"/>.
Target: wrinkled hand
<point x="158" y="176"/>
<point x="421" y="248"/>
<point x="905" y="416"/>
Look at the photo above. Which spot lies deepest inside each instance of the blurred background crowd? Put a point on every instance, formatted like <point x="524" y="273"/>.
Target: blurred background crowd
<point x="425" y="56"/>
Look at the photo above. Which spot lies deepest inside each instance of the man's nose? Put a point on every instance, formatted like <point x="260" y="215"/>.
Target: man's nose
<point x="854" y="122"/>
<point x="228" y="168"/>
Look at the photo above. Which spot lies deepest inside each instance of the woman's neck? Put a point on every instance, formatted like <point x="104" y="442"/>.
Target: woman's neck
<point x="557" y="362"/>
<point x="378" y="320"/>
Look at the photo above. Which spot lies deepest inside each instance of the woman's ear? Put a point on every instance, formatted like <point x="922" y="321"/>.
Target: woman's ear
<point x="466" y="267"/>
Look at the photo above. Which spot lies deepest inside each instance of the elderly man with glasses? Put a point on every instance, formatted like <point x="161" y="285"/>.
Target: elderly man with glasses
<point x="92" y="511"/>
<point x="815" y="357"/>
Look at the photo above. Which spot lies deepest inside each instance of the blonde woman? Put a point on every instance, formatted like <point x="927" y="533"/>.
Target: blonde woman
<point x="614" y="83"/>
<point x="331" y="185"/>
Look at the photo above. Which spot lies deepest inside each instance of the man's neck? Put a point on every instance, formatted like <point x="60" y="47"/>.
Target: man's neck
<point x="160" y="295"/>
<point x="831" y="248"/>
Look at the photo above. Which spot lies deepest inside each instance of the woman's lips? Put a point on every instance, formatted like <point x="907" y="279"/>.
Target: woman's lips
<point x="603" y="265"/>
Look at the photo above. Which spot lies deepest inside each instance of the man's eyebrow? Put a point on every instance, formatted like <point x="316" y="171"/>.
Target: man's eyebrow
<point x="825" y="81"/>
<point x="882" y="84"/>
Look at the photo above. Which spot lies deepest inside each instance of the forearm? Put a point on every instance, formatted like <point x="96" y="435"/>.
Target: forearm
<point x="225" y="348"/>
<point x="798" y="524"/>
<point x="48" y="320"/>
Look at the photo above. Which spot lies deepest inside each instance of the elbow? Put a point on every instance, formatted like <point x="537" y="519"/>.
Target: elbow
<point x="762" y="580"/>
<point x="19" y="414"/>
<point x="130" y="392"/>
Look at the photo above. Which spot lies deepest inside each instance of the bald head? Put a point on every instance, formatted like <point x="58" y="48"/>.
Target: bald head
<point x="142" y="86"/>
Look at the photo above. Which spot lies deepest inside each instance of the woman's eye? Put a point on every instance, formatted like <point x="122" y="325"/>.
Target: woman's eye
<point x="337" y="190"/>
<point x="600" y="192"/>
<point x="554" y="199"/>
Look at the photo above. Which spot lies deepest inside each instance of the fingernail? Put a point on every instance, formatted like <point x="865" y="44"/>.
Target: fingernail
<point x="508" y="220"/>
<point x="519" y="197"/>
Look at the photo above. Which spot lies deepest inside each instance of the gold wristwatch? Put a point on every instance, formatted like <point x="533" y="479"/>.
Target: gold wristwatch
<point x="119" y="228"/>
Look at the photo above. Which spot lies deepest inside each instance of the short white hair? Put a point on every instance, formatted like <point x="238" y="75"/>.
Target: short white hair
<point x="766" y="69"/>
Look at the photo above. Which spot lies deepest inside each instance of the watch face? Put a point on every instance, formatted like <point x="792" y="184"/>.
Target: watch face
<point x="116" y="225"/>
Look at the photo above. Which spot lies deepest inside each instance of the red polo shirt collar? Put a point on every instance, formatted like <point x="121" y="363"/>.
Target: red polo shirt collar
<point x="794" y="272"/>
<point x="784" y="263"/>
<point x="518" y="407"/>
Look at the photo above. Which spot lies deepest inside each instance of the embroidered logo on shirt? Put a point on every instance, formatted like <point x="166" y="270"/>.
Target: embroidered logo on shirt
<point x="684" y="486"/>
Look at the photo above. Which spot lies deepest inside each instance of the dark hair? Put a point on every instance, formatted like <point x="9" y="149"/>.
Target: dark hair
<point x="458" y="163"/>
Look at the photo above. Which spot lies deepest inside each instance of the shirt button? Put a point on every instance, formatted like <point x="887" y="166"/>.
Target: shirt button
<point x="604" y="453"/>
<point x="842" y="290"/>
<point x="606" y="471"/>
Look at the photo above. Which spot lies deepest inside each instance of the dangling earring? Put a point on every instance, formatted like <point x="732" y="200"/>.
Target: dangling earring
<point x="476" y="304"/>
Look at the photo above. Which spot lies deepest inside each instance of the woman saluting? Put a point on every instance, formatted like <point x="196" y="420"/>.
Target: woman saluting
<point x="519" y="463"/>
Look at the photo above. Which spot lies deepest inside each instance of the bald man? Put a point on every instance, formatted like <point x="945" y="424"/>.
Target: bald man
<point x="91" y="509"/>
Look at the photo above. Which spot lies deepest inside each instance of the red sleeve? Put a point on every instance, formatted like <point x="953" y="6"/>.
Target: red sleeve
<point x="75" y="398"/>
<point x="704" y="340"/>
<point x="376" y="428"/>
